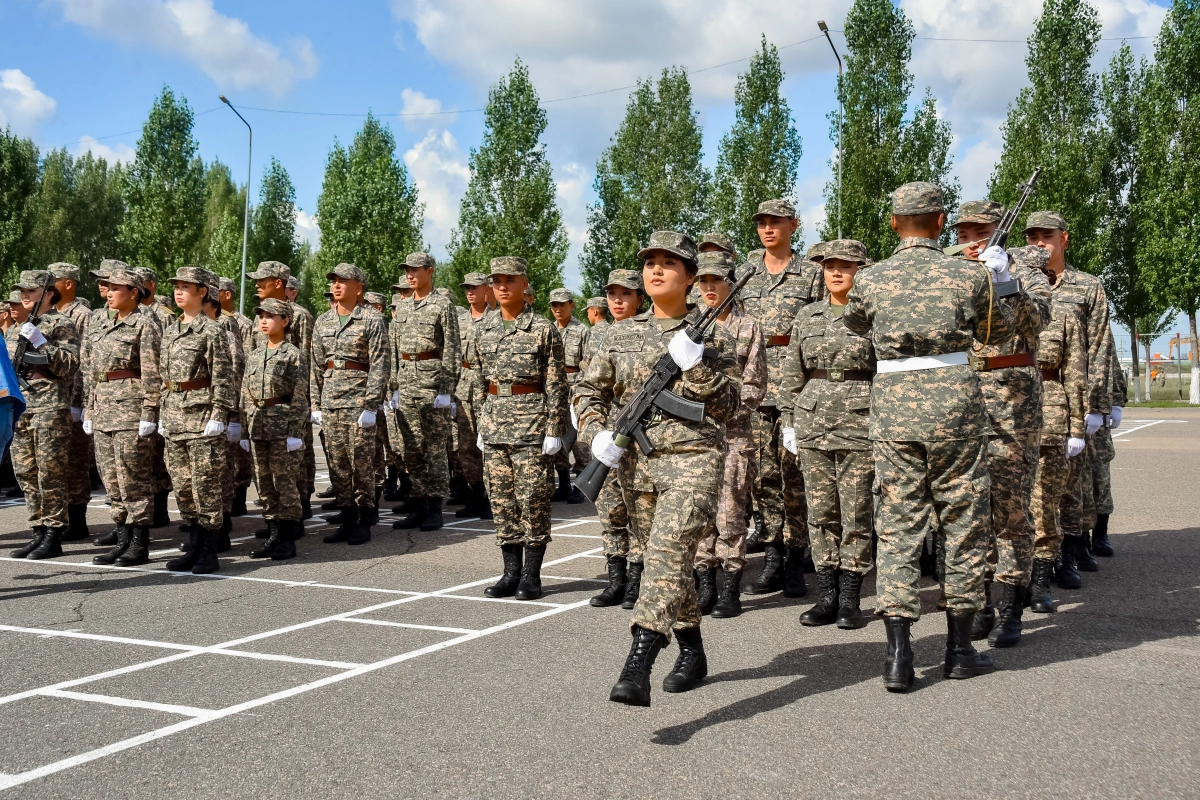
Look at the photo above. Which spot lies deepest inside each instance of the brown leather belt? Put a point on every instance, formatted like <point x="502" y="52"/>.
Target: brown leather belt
<point x="571" y="370"/>
<point x="419" y="356"/>
<point x="116" y="375"/>
<point x="989" y="363"/>
<point x="39" y="375"/>
<point x="509" y="389"/>
<point x="839" y="375"/>
<point x="1051" y="375"/>
<point x="339" y="364"/>
<point x="187" y="386"/>
<point x="466" y="365"/>
<point x="272" y="401"/>
<point x="779" y="341"/>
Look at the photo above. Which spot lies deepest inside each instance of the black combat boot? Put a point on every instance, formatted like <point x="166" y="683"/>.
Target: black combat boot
<point x="771" y="577"/>
<point x="615" y="590"/>
<point x="530" y="587"/>
<point x="706" y="589"/>
<point x="409" y="505"/>
<point x="1040" y="601"/>
<point x="192" y="554"/>
<point x="1007" y="632"/>
<point x="507" y="585"/>
<point x="1101" y="546"/>
<point x="206" y="562"/>
<point x="162" y="516"/>
<point x="633" y="584"/>
<point x="375" y="508"/>
<point x="50" y="546"/>
<point x="1067" y="575"/>
<point x="416" y="515"/>
<point x="39" y="533"/>
<point x="239" y="501"/>
<point x="223" y="543"/>
<point x="189" y="528"/>
<point x="575" y="497"/>
<point x="77" y="529"/>
<point x="633" y="687"/>
<point x="343" y="532"/>
<point x="485" y="503"/>
<point x="754" y="542"/>
<point x="124" y="534"/>
<point x="433" y="515"/>
<point x="985" y="618"/>
<point x="138" y="552"/>
<point x="691" y="667"/>
<point x="272" y="542"/>
<point x="344" y="514"/>
<point x="390" y="486"/>
<point x="825" y="612"/>
<point x="1083" y="554"/>
<point x="898" y="674"/>
<point x="793" y="573"/>
<point x="325" y="494"/>
<point x="563" y="490"/>
<point x="361" y="533"/>
<point x="108" y="539"/>
<point x="264" y="532"/>
<point x="458" y="492"/>
<point x="470" y="502"/>
<point x="729" y="596"/>
<point x="305" y="508"/>
<point x="288" y="534"/>
<point x="849" y="591"/>
<point x="961" y="659"/>
<point x="330" y="505"/>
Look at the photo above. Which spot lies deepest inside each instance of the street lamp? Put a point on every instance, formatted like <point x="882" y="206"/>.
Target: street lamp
<point x="246" y="216"/>
<point x="825" y="30"/>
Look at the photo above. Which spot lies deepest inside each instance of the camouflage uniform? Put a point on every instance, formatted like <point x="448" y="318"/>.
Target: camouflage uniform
<point x="470" y="459"/>
<point x="1101" y="452"/>
<point x="79" y="453"/>
<point x="237" y="362"/>
<point x="162" y="316"/>
<point x="574" y="338"/>
<point x="239" y="458"/>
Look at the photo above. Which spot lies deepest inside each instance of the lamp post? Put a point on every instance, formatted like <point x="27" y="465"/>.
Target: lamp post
<point x="246" y="215"/>
<point x="825" y="30"/>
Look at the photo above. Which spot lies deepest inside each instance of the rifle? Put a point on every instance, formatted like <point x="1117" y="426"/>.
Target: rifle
<point x="22" y="356"/>
<point x="1000" y="236"/>
<point x="654" y="393"/>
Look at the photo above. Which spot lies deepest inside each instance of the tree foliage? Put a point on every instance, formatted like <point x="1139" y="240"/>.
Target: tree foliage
<point x="273" y="220"/>
<point x="18" y="189"/>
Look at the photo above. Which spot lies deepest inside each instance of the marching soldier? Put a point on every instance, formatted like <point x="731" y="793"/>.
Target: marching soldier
<point x="233" y="429"/>
<point x="238" y="458"/>
<point x="79" y="454"/>
<point x="161" y="314"/>
<point x="1103" y="454"/>
<point x="574" y="335"/>
<point x="478" y="290"/>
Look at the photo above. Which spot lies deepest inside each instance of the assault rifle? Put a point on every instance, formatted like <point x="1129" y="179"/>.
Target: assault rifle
<point x="1000" y="237"/>
<point x="627" y="427"/>
<point x="23" y="357"/>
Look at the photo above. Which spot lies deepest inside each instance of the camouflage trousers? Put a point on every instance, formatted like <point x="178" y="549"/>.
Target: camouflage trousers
<point x="243" y="469"/>
<point x="1077" y="509"/>
<point x="79" y="457"/>
<point x="350" y="454"/>
<point x="275" y="472"/>
<point x="779" y="487"/>
<point x="41" y="461"/>
<point x="470" y="459"/>
<point x="519" y="483"/>
<point x="616" y="528"/>
<point x="160" y="474"/>
<point x="1049" y="484"/>
<point x="581" y="452"/>
<point x="1012" y="467"/>
<point x="724" y="543"/>
<point x="841" y="506"/>
<point x="196" y="468"/>
<point x="229" y="474"/>
<point x="938" y="485"/>
<point x="395" y="440"/>
<point x="673" y="499"/>
<point x="125" y="461"/>
<point x="426" y="430"/>
<point x="381" y="447"/>
<point x="1102" y="454"/>
<point x="309" y="474"/>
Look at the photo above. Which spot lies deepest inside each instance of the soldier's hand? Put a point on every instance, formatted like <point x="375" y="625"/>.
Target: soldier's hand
<point x="686" y="353"/>
<point x="996" y="260"/>
<point x="213" y="428"/>
<point x="233" y="432"/>
<point x="245" y="444"/>
<point x="574" y="419"/>
<point x="315" y="417"/>
<point x="605" y="449"/>
<point x="551" y="445"/>
<point x="87" y="427"/>
<point x="76" y="414"/>
<point x="395" y="399"/>
<point x="1075" y="446"/>
<point x="479" y="441"/>
<point x="453" y="410"/>
<point x="1114" y="417"/>
<point x="789" y="440"/>
<point x="441" y="401"/>
<point x="33" y="335"/>
<point x="1094" y="423"/>
<point x="366" y="419"/>
<point x="146" y="428"/>
<point x="292" y="444"/>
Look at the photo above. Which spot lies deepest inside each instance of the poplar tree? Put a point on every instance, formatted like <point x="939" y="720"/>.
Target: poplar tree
<point x="273" y="220"/>
<point x="18" y="189"/>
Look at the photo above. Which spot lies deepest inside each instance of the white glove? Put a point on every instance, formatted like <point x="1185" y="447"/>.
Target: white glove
<point x="162" y="431"/>
<point x="686" y="353"/>
<point x="293" y="444"/>
<point x="146" y="428"/>
<point x="87" y="427"/>
<point x="77" y="414"/>
<point x="32" y="334"/>
<point x="551" y="445"/>
<point x="441" y="401"/>
<point x="245" y="445"/>
<point x="315" y="418"/>
<point x="1075" y="446"/>
<point x="1114" y="417"/>
<point x="574" y="419"/>
<point x="479" y="441"/>
<point x="395" y="400"/>
<point x="233" y="432"/>
<point x="605" y="449"/>
<point x="453" y="410"/>
<point x="1094" y="423"/>
<point x="214" y="428"/>
<point x="996" y="260"/>
<point x="789" y="440"/>
<point x="366" y="419"/>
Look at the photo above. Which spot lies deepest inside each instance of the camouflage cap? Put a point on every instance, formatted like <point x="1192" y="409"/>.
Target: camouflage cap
<point x="1051" y="220"/>
<point x="197" y="275"/>
<point x="984" y="212"/>
<point x="529" y="290"/>
<point x="597" y="302"/>
<point x="226" y="285"/>
<point x="107" y="266"/>
<point x="271" y="269"/>
<point x="33" y="279"/>
<point x="214" y="291"/>
<point x="775" y="208"/>
<point x="847" y="250"/>
<point x="146" y="274"/>
<point x="716" y="262"/>
<point x="396" y="298"/>
<point x="64" y="271"/>
<point x="561" y="296"/>
<point x="293" y="283"/>
<point x="347" y="272"/>
<point x="718" y="240"/>
<point x="816" y="252"/>
<point x="671" y="242"/>
<point x="916" y="198"/>
<point x="628" y="278"/>
<point x="374" y="298"/>
<point x="420" y="260"/>
<point x="14" y="297"/>
<point x="443" y="291"/>
<point x="402" y="286"/>
<point x="125" y="276"/>
<point x="508" y="265"/>
<point x="1032" y="257"/>
<point x="273" y="306"/>
<point x="475" y="279"/>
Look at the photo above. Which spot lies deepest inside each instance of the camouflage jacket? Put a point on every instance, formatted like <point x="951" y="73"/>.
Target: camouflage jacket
<point x="1013" y="395"/>
<point x="274" y="374"/>
<point x="115" y="345"/>
<point x="1102" y="443"/>
<point x="80" y="316"/>
<point x="59" y="357"/>
<point x="160" y="311"/>
<point x="1120" y="386"/>
<point x="245" y="328"/>
<point x="774" y="300"/>
<point x="300" y="331"/>
<point x="237" y="360"/>
<point x="594" y="340"/>
<point x="363" y="339"/>
<point x="751" y="367"/>
<point x="1087" y="291"/>
<point x="1061" y="347"/>
<point x="425" y="327"/>
<point x="922" y="302"/>
<point x="467" y="375"/>
<point x="626" y="361"/>
<point x="192" y="351"/>
<point x="826" y="414"/>
<point x="574" y="339"/>
<point x="527" y="351"/>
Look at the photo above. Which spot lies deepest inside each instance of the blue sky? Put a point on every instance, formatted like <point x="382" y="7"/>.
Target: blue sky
<point x="73" y="69"/>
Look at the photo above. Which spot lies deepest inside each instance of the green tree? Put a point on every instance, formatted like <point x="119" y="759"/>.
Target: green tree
<point x="758" y="158"/>
<point x="883" y="146"/>
<point x="1146" y="329"/>
<point x="18" y="196"/>
<point x="223" y="198"/>
<point x="1054" y="124"/>
<point x="273" y="221"/>
<point x="510" y="207"/>
<point x="649" y="178"/>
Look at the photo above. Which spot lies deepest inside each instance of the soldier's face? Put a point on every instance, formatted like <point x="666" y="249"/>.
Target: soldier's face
<point x="18" y="312"/>
<point x="713" y="289"/>
<point x="595" y="315"/>
<point x="473" y="293"/>
<point x="120" y="296"/>
<point x="189" y="295"/>
<point x="291" y="294"/>
<point x="345" y="291"/>
<point x="1048" y="239"/>
<point x="30" y="298"/>
<point x="665" y="275"/>
<point x="978" y="234"/>
<point x="774" y="231"/>
<point x="419" y="278"/>
<point x="102" y="288"/>
<point x="839" y="275"/>
<point x="509" y="289"/>
<point x="622" y="302"/>
<point x="562" y="311"/>
<point x="266" y="287"/>
<point x="271" y="324"/>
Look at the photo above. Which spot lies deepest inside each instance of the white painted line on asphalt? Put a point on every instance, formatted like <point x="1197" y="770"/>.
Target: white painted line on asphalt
<point x="498" y="600"/>
<point x="571" y="524"/>
<point x="125" y="702"/>
<point x="574" y="578"/>
<point x="1145" y="424"/>
<point x="388" y="623"/>
<point x="313" y="662"/>
<point x="576" y="536"/>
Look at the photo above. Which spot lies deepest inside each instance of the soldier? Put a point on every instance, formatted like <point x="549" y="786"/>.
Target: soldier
<point x="597" y="312"/>
<point x="122" y="389"/>
<point x="245" y="326"/>
<point x="520" y="402"/>
<point x="42" y="435"/>
<point x="530" y="299"/>
<point x="292" y="291"/>
<point x="349" y="376"/>
<point x="478" y="290"/>
<point x="717" y="243"/>
<point x="157" y="304"/>
<point x="783" y="283"/>
<point x="275" y="398"/>
<point x="574" y="335"/>
<point x="233" y="429"/>
<point x="79" y="453"/>
<point x="921" y="309"/>
<point x="673" y="494"/>
<point x="237" y="457"/>
<point x="827" y="398"/>
<point x="383" y="445"/>
<point x="723" y="548"/>
<point x="425" y="360"/>
<point x="1103" y="454"/>
<point x="162" y="476"/>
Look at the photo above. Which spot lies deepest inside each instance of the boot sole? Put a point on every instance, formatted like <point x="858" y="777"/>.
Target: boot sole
<point x="756" y="591"/>
<point x="629" y="697"/>
<point x="847" y="625"/>
<point x="896" y="687"/>
<point x="725" y="615"/>
<point x="963" y="674"/>
<point x="682" y="687"/>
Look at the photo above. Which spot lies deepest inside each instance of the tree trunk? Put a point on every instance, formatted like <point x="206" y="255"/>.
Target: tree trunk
<point x="1149" y="380"/>
<point x="1133" y="360"/>
<point x="1194" y="359"/>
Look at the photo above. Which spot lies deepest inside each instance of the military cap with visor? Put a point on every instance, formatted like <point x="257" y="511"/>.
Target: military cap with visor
<point x="850" y="250"/>
<point x="419" y="260"/>
<point x="473" y="279"/>
<point x="916" y="198"/>
<point x="598" y="302"/>
<point x="271" y="269"/>
<point x="676" y="244"/>
<point x="718" y="240"/>
<point x="981" y="212"/>
<point x="508" y="265"/>
<point x="816" y="252"/>
<point x="775" y="208"/>
<point x="716" y="262"/>
<point x="561" y="295"/>
<point x="1049" y="220"/>
<point x="14" y="297"/>
<point x="626" y="278"/>
<point x="125" y="276"/>
<point x="147" y="275"/>
<point x="64" y="271"/>
<point x="273" y="305"/>
<point x="226" y="284"/>
<point x="374" y="298"/>
<point x="33" y="279"/>
<point x="293" y="283"/>
<point x="347" y="272"/>
<point x="107" y="266"/>
<point x="197" y="275"/>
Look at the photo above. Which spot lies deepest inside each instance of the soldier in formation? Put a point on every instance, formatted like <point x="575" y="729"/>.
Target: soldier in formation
<point x="574" y="335"/>
<point x="79" y="453"/>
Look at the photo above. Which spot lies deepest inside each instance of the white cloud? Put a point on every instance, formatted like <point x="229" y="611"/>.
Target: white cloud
<point x="222" y="47"/>
<point x="571" y="184"/>
<point x="22" y="105"/>
<point x="307" y="230"/>
<point x="438" y="167"/>
<point x="110" y="153"/>
<point x="420" y="112"/>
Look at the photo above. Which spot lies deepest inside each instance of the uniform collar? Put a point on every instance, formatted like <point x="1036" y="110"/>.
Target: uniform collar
<point x="909" y="242"/>
<point x="523" y="320"/>
<point x="795" y="264"/>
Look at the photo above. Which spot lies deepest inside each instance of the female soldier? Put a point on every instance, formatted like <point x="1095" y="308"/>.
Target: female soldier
<point x="827" y="386"/>
<point x="673" y="492"/>
<point x="233" y="430"/>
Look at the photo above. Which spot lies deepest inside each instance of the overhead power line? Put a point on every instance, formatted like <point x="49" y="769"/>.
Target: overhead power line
<point x="123" y="133"/>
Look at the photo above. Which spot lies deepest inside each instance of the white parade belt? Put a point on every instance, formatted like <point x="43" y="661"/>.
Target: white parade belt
<point x="921" y="362"/>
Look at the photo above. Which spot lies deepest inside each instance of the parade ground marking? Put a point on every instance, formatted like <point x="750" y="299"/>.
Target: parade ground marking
<point x="1141" y="424"/>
